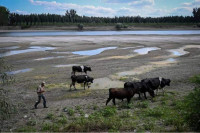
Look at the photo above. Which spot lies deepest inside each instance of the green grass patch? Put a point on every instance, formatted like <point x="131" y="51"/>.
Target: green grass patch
<point x="48" y="126"/>
<point x="123" y="78"/>
<point x="56" y="85"/>
<point x="50" y="116"/>
<point x="195" y="79"/>
<point x="76" y="94"/>
<point x="26" y="129"/>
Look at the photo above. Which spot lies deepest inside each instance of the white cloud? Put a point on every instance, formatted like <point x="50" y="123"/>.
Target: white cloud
<point x="193" y="4"/>
<point x="184" y="11"/>
<point x="142" y="3"/>
<point x="144" y="8"/>
<point x="21" y="12"/>
<point x="118" y="1"/>
<point x="143" y="12"/>
<point x="81" y="10"/>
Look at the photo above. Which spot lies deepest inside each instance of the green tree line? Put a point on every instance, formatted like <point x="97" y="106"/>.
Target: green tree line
<point x="71" y="16"/>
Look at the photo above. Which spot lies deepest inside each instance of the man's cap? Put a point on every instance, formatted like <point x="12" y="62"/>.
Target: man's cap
<point x="43" y="82"/>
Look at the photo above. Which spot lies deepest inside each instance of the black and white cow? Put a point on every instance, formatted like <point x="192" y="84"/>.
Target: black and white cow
<point x="139" y="87"/>
<point x="81" y="79"/>
<point x="157" y="83"/>
<point x="80" y="69"/>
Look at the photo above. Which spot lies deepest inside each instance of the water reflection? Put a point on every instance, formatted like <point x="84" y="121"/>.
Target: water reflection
<point x="66" y="65"/>
<point x="93" y="33"/>
<point x="20" y="71"/>
<point x="143" y="51"/>
<point x="30" y="49"/>
<point x="93" y="52"/>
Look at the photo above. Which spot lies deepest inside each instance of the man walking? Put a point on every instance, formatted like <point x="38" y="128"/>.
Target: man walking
<point x="40" y="91"/>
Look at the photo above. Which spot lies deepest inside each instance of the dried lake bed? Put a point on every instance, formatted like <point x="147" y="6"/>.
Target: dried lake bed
<point x="114" y="59"/>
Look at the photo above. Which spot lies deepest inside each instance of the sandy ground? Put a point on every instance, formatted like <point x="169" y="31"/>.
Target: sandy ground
<point x="111" y="68"/>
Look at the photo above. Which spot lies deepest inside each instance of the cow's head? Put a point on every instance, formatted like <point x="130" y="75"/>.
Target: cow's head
<point x="128" y="85"/>
<point x="165" y="82"/>
<point x="88" y="68"/>
<point x="91" y="79"/>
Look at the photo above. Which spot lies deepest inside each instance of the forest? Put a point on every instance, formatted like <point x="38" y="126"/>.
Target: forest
<point x="71" y="16"/>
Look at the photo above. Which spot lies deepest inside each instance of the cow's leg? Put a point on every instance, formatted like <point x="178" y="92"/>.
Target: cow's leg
<point x="84" y="85"/>
<point x="74" y="85"/>
<point x="108" y="100"/>
<point x="157" y="91"/>
<point x="88" y="85"/>
<point x="114" y="101"/>
<point x="71" y="86"/>
<point x="128" y="100"/>
<point x="163" y="91"/>
<point x="145" y="95"/>
<point x="139" y="96"/>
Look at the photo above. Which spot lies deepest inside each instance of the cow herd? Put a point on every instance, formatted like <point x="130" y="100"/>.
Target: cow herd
<point x="132" y="88"/>
<point x="128" y="91"/>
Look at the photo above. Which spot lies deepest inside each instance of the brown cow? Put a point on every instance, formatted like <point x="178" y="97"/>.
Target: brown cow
<point x="120" y="93"/>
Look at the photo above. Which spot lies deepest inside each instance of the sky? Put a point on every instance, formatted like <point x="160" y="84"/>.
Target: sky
<point x="104" y="8"/>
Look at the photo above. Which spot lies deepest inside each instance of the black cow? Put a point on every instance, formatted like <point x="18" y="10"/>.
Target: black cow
<point x="139" y="87"/>
<point x="80" y="69"/>
<point x="81" y="79"/>
<point x="157" y="83"/>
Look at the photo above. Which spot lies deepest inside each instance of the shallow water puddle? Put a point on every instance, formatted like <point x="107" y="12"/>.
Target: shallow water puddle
<point x="49" y="58"/>
<point x="178" y="52"/>
<point x="20" y="71"/>
<point x="10" y="48"/>
<point x="143" y="51"/>
<point x="93" y="52"/>
<point x="66" y="65"/>
<point x="181" y="51"/>
<point x="30" y="49"/>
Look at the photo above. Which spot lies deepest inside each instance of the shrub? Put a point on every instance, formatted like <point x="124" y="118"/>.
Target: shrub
<point x="108" y="111"/>
<point x="119" y="26"/>
<point x="70" y="112"/>
<point x="195" y="79"/>
<point x="62" y="120"/>
<point x="155" y="112"/>
<point x="80" y="26"/>
<point x="5" y="78"/>
<point x="192" y="109"/>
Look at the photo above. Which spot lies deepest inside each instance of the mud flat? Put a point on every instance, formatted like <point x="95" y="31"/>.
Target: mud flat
<point x="50" y="59"/>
